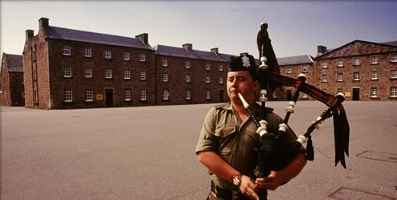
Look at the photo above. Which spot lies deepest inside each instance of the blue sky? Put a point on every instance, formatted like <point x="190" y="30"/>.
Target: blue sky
<point x="295" y="27"/>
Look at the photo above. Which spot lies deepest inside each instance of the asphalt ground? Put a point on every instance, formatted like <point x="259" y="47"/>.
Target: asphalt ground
<point x="148" y="153"/>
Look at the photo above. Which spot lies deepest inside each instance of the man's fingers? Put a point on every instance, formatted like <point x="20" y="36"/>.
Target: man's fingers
<point x="252" y="194"/>
<point x="258" y="180"/>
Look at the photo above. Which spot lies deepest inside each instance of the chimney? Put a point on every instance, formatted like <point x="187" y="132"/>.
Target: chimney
<point x="43" y="25"/>
<point x="215" y="51"/>
<point x="29" y="34"/>
<point x="187" y="46"/>
<point x="144" y="38"/>
<point x="321" y="50"/>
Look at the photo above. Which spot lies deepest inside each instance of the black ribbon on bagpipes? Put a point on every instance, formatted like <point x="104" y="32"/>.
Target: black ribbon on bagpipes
<point x="270" y="152"/>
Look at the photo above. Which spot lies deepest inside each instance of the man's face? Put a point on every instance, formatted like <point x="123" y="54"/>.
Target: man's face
<point x="241" y="82"/>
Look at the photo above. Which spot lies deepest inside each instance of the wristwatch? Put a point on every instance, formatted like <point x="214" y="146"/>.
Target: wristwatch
<point x="237" y="180"/>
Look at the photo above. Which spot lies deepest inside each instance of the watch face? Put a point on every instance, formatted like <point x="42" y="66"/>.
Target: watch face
<point x="236" y="180"/>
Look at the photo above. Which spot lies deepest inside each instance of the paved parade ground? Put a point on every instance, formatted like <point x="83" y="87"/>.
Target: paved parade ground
<point x="147" y="153"/>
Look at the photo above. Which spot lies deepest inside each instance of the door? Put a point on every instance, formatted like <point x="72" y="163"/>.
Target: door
<point x="289" y="95"/>
<point x="356" y="94"/>
<point x="221" y="96"/>
<point x="109" y="97"/>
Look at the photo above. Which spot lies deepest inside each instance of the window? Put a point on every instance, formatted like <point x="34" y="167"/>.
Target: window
<point x="89" y="95"/>
<point x="207" y="67"/>
<point x="108" y="73"/>
<point x="88" y="73"/>
<point x="67" y="95"/>
<point x="128" y="94"/>
<point x="142" y="76"/>
<point x="143" y="95"/>
<point x="207" y="79"/>
<point x="393" y="58"/>
<point x="393" y="91"/>
<point x="356" y="76"/>
<point x="142" y="57"/>
<point x="165" y="77"/>
<point x="374" y="74"/>
<point x="88" y="52"/>
<point x="166" y="95"/>
<point x="393" y="74"/>
<point x="289" y="70"/>
<point x="339" y="76"/>
<point x="67" y="51"/>
<point x="339" y="63"/>
<point x="164" y="62"/>
<point x="108" y="54"/>
<point x="220" y="81"/>
<point x="188" y="65"/>
<point x="324" y="65"/>
<point x="323" y="76"/>
<point x="208" y="95"/>
<point x="188" y="78"/>
<point x="188" y="94"/>
<point x="126" y="56"/>
<point x="67" y="71"/>
<point x="374" y="60"/>
<point x="127" y="74"/>
<point x="220" y="68"/>
<point x="356" y="61"/>
<point x="373" y="92"/>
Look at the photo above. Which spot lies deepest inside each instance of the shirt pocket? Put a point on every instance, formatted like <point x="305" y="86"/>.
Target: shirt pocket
<point x="227" y="141"/>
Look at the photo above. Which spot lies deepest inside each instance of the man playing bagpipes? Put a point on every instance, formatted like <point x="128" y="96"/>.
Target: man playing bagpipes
<point x="246" y="147"/>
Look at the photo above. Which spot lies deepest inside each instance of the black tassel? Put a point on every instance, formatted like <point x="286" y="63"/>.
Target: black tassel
<point x="309" y="149"/>
<point x="341" y="134"/>
<point x="346" y="130"/>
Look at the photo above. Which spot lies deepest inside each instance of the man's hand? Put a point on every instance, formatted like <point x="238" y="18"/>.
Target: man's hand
<point x="271" y="182"/>
<point x="277" y="178"/>
<point x="247" y="187"/>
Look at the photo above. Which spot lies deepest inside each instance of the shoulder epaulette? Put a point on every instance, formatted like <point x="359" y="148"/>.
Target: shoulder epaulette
<point x="222" y="106"/>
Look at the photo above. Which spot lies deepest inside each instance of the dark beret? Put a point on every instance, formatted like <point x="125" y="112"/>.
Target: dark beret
<point x="244" y="62"/>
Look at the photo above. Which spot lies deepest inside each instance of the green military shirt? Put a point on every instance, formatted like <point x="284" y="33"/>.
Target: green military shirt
<point x="233" y="140"/>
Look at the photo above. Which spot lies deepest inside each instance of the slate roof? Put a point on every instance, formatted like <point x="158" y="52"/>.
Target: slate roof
<point x="93" y="37"/>
<point x="193" y="54"/>
<point x="14" y="62"/>
<point x="293" y="60"/>
<point x="392" y="43"/>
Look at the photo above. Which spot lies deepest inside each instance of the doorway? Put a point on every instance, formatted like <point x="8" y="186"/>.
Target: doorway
<point x="221" y="96"/>
<point x="109" y="97"/>
<point x="289" y="95"/>
<point x="356" y="94"/>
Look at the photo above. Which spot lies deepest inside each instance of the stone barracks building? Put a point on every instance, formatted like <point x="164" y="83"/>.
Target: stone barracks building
<point x="361" y="70"/>
<point x="292" y="67"/>
<point x="66" y="68"/>
<point x="11" y="80"/>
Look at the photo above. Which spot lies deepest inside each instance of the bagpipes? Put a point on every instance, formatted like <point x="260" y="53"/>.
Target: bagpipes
<point x="271" y="154"/>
